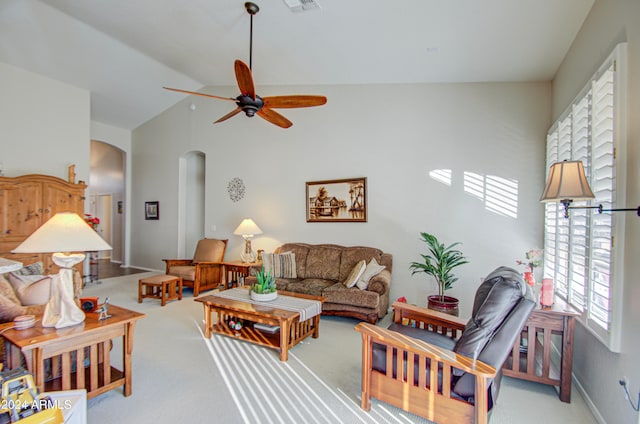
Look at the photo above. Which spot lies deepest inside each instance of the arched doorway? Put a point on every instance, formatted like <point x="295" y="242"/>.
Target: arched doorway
<point x="106" y="195"/>
<point x="191" y="198"/>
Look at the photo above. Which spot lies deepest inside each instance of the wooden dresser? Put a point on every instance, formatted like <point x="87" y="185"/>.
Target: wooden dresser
<point x="26" y="203"/>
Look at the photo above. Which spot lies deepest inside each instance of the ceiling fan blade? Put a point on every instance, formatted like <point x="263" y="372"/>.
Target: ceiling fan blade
<point x="229" y="115"/>
<point x="195" y="93"/>
<point x="245" y="79"/>
<point x="299" y="100"/>
<point x="274" y="117"/>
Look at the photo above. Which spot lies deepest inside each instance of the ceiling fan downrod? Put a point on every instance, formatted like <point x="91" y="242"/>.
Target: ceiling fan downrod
<point x="252" y="9"/>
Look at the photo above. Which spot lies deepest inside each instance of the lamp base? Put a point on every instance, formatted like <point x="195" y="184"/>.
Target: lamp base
<point x="62" y="311"/>
<point x="248" y="255"/>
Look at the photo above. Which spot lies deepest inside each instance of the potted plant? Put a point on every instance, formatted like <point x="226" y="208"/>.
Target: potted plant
<point x="439" y="263"/>
<point x="264" y="289"/>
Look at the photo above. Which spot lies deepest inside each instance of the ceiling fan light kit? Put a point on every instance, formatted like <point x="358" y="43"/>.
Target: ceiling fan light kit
<point x="248" y="101"/>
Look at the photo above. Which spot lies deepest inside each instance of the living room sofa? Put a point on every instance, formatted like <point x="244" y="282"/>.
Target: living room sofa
<point x="322" y="269"/>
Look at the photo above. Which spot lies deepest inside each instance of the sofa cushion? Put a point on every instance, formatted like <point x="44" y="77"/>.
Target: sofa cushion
<point x="187" y="273"/>
<point x="280" y="265"/>
<point x="312" y="286"/>
<point x="31" y="289"/>
<point x="355" y="274"/>
<point x="352" y="255"/>
<point x="35" y="268"/>
<point x="209" y="250"/>
<point x="338" y="293"/>
<point x="323" y="262"/>
<point x="301" y="251"/>
<point x="372" y="269"/>
<point x="9" y="304"/>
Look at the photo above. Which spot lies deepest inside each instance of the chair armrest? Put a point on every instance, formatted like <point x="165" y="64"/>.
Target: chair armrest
<point x="439" y="322"/>
<point x="178" y="262"/>
<point x="399" y="341"/>
<point x="203" y="265"/>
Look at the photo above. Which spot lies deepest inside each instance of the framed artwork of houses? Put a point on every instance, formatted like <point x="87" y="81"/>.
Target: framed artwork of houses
<point x="337" y="200"/>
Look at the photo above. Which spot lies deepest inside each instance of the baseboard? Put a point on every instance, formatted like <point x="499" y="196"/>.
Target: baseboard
<point x="592" y="407"/>
<point x="555" y="352"/>
<point x="146" y="269"/>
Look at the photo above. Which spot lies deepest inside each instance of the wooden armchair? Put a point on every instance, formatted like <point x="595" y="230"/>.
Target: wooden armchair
<point x="204" y="271"/>
<point x="418" y="365"/>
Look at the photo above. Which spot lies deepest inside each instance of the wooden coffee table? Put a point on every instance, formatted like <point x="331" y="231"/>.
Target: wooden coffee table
<point x="38" y="343"/>
<point x="291" y="332"/>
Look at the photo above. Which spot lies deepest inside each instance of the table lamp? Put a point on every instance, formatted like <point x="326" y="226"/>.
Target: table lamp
<point x="63" y="234"/>
<point x="247" y="229"/>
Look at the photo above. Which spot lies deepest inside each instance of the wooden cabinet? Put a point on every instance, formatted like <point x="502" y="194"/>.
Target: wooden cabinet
<point x="26" y="203"/>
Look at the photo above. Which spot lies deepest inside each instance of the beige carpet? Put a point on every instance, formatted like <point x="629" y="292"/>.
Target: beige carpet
<point x="179" y="376"/>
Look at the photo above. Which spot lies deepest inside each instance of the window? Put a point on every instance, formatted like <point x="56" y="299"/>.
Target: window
<point x="581" y="252"/>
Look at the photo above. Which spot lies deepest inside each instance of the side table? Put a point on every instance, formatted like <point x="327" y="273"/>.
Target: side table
<point x="533" y="348"/>
<point x="234" y="272"/>
<point x="71" y="371"/>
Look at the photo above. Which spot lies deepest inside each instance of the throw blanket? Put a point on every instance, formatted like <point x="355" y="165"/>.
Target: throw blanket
<point x="307" y="308"/>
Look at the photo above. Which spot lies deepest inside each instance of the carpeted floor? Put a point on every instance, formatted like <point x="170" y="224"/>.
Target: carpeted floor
<point x="179" y="376"/>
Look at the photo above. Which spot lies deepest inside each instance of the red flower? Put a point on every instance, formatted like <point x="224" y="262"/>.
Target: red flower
<point x="402" y="299"/>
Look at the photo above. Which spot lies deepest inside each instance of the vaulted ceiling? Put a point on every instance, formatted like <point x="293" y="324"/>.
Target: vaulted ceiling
<point x="124" y="51"/>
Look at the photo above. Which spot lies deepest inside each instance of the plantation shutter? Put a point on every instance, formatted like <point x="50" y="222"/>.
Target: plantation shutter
<point x="602" y="185"/>
<point x="579" y="251"/>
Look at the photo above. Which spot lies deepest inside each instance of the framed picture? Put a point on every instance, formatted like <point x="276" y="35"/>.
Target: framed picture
<point x="151" y="210"/>
<point x="337" y="200"/>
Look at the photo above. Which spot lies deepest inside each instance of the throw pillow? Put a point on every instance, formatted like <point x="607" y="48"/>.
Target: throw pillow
<point x="281" y="265"/>
<point x="31" y="289"/>
<point x="373" y="269"/>
<point x="35" y="268"/>
<point x="355" y="273"/>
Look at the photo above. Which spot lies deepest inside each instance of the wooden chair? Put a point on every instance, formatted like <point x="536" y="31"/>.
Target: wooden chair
<point x="418" y="365"/>
<point x="204" y="271"/>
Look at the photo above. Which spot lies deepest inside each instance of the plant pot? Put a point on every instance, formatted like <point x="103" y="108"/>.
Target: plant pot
<point x="263" y="297"/>
<point x="446" y="304"/>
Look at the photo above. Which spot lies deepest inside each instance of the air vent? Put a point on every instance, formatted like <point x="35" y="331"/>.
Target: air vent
<point x="302" y="5"/>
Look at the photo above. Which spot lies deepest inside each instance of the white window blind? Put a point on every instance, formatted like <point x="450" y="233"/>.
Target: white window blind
<point x="579" y="251"/>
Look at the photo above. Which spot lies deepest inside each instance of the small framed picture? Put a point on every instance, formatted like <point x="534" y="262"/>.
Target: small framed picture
<point x="337" y="200"/>
<point x="151" y="210"/>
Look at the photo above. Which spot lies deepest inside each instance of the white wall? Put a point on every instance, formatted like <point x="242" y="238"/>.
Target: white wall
<point x="597" y="369"/>
<point x="392" y="134"/>
<point x="44" y="125"/>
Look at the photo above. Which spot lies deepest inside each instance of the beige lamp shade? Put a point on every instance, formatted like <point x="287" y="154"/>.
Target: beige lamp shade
<point x="247" y="228"/>
<point x="64" y="232"/>
<point x="566" y="181"/>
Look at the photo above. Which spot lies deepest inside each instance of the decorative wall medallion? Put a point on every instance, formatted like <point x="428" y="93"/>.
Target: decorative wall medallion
<point x="236" y="189"/>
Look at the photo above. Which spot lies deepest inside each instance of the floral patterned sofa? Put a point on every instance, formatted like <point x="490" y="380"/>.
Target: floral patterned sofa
<point x="323" y="270"/>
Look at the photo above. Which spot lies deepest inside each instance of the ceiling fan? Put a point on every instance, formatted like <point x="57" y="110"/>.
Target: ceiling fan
<point x="248" y="101"/>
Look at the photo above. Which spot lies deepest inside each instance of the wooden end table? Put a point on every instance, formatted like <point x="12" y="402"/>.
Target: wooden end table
<point x="534" y="360"/>
<point x="291" y="332"/>
<point x="38" y="344"/>
<point x="235" y="271"/>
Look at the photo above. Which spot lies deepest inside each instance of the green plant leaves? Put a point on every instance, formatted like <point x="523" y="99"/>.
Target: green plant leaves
<point x="440" y="262"/>
<point x="265" y="282"/>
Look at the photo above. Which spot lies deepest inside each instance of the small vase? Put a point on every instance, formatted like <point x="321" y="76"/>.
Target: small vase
<point x="546" y="292"/>
<point x="529" y="278"/>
